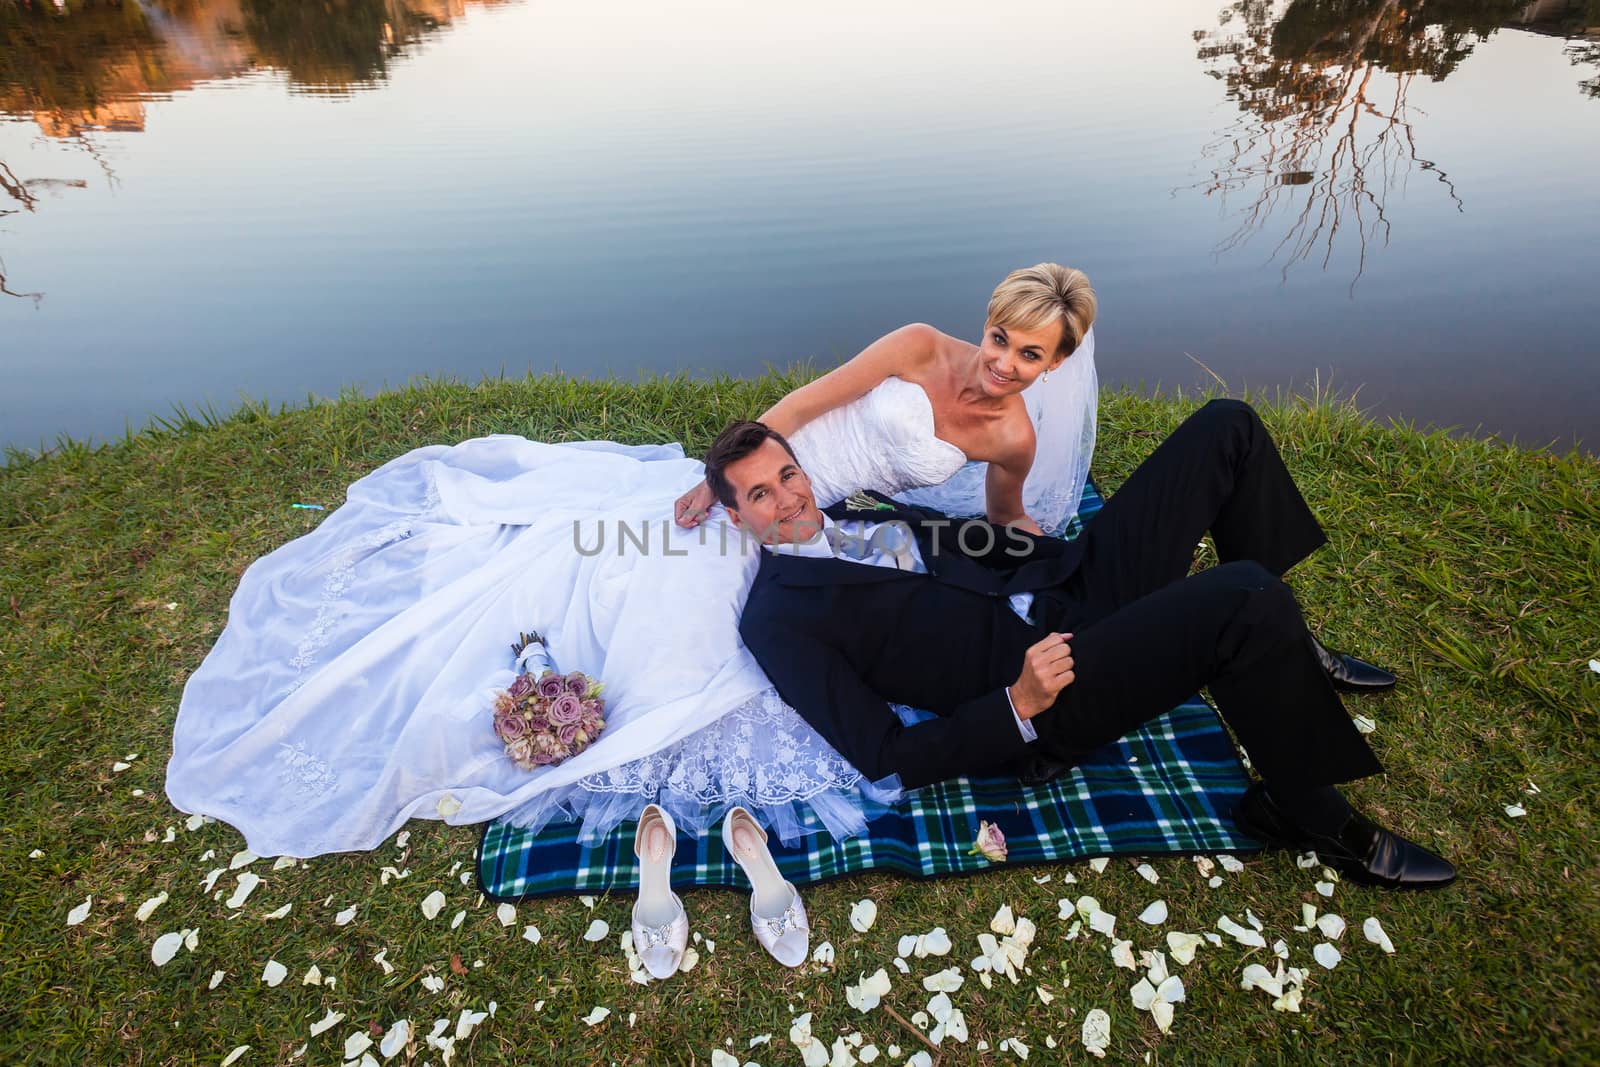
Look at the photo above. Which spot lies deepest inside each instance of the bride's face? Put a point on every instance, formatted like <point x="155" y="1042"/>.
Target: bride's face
<point x="1010" y="358"/>
<point x="774" y="496"/>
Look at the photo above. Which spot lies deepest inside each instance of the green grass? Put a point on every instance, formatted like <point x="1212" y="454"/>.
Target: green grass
<point x="1471" y="567"/>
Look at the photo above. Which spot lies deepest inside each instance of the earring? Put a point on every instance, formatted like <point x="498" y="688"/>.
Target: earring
<point x="1045" y="377"/>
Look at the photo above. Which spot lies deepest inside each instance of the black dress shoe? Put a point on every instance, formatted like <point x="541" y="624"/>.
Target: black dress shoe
<point x="1350" y="674"/>
<point x="1362" y="851"/>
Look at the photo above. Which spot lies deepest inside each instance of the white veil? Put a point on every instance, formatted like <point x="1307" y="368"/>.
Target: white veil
<point x="1063" y="408"/>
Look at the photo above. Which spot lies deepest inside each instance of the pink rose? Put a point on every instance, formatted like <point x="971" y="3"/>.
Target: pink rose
<point x="577" y="683"/>
<point x="991" y="843"/>
<point x="565" y="710"/>
<point x="511" y="727"/>
<point x="592" y="725"/>
<point x="594" y="707"/>
<point x="552" y="685"/>
<point x="568" y="733"/>
<point x="539" y="723"/>
<point x="521" y="687"/>
<point x="503" y="704"/>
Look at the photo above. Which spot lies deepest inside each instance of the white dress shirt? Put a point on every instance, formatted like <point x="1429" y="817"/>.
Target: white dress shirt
<point x="889" y="544"/>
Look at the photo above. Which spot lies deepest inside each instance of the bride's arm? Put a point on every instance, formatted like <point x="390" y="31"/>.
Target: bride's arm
<point x="904" y="350"/>
<point x="899" y="352"/>
<point x="1008" y="470"/>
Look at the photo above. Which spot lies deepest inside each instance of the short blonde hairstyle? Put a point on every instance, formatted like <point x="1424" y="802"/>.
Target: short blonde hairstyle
<point x="1046" y="292"/>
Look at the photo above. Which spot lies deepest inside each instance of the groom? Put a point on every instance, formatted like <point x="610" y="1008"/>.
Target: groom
<point x="1034" y="651"/>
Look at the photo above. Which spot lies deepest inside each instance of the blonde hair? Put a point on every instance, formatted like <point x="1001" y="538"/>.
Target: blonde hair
<point x="1046" y="292"/>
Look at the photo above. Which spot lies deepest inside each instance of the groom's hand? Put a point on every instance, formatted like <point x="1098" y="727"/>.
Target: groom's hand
<point x="1046" y="670"/>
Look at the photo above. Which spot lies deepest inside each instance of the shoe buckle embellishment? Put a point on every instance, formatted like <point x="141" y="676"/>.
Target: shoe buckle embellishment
<point x="655" y="935"/>
<point x="789" y="920"/>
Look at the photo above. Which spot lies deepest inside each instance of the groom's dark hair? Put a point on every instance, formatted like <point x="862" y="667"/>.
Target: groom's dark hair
<point x="733" y="444"/>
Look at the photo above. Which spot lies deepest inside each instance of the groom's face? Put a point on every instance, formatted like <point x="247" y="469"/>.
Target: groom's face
<point x="773" y="495"/>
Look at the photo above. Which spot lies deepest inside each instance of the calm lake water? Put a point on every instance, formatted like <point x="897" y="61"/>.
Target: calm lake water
<point x="208" y="199"/>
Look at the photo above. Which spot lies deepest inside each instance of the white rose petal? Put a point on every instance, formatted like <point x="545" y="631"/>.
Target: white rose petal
<point x="1003" y="922"/>
<point x="1332" y="926"/>
<point x="1122" y="955"/>
<point x="823" y="954"/>
<point x="507" y="914"/>
<point x="1143" y="994"/>
<point x="1161" y="1012"/>
<point x="1325" y="888"/>
<point x="242" y="858"/>
<point x="934" y="943"/>
<point x="865" y="994"/>
<point x="1326" y="955"/>
<point x="1098" y="864"/>
<point x="690" y="959"/>
<point x="216" y="979"/>
<point x="1182" y="945"/>
<point x="119" y="766"/>
<point x="283" y="862"/>
<point x="247" y="885"/>
<point x="1097" y="1032"/>
<point x="210" y="880"/>
<point x="381" y="961"/>
<point x="149" y="907"/>
<point x="1171" y="990"/>
<point x="313" y="976"/>
<point x="468" y="1022"/>
<point x="1045" y="996"/>
<point x="1231" y="864"/>
<point x="165" y="948"/>
<point x="1516" y="811"/>
<point x="1373" y="931"/>
<point x="907" y="945"/>
<point x="532" y="935"/>
<point x="1155" y="914"/>
<point x="448" y="805"/>
<point x="432" y="905"/>
<point x="1280" y="949"/>
<point x="395" y="1038"/>
<point x="233" y="1057"/>
<point x="1242" y="934"/>
<point x="274" y="972"/>
<point x="458" y="918"/>
<point x="1103" y="922"/>
<point x="1214" y="881"/>
<point x="1364" y="724"/>
<point x="81" y="912"/>
<point x="1250" y="917"/>
<point x="720" y="1058"/>
<point x="598" y="930"/>
<point x="946" y="981"/>
<point x="863" y="913"/>
<point x="1258" y="977"/>
<point x="1594" y="665"/>
<point x="595" y="1017"/>
<point x="357" y="1043"/>
<point x="432" y="983"/>
<point x="1148" y="873"/>
<point x="279" y="913"/>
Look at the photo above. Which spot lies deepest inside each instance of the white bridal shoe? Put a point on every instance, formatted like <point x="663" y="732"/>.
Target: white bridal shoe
<point x="660" y="925"/>
<point x="777" y="917"/>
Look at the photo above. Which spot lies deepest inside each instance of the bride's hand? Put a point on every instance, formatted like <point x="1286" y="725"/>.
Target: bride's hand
<point x="692" y="506"/>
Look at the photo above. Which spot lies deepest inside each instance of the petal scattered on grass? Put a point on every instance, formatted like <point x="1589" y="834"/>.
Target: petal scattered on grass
<point x="690" y="960"/>
<point x="149" y="907"/>
<point x="1004" y="922"/>
<point x="283" y="862"/>
<point x="216" y="979"/>
<point x="1332" y="926"/>
<point x="381" y="959"/>
<point x="1098" y="864"/>
<point x="1516" y="811"/>
<point x="468" y="1022"/>
<point x="313" y="976"/>
<point x="946" y="981"/>
<point x="868" y="991"/>
<point x="1242" y="934"/>
<point x="1326" y="955"/>
<point x="81" y="912"/>
<point x="532" y="935"/>
<point x="1231" y="864"/>
<point x="1373" y="931"/>
<point x="345" y="917"/>
<point x="233" y="1057"/>
<point x="1325" y="888"/>
<point x="274" y="973"/>
<point x="432" y="983"/>
<point x="823" y="954"/>
<point x="243" y="858"/>
<point x="1364" y="724"/>
<point x="1155" y="914"/>
<point x="458" y="918"/>
<point x="432" y="905"/>
<point x="1096" y="1032"/>
<point x="247" y="883"/>
<point x="1148" y="873"/>
<point x="507" y="914"/>
<point x="1182" y="945"/>
<point x="598" y="930"/>
<point x="596" y="1017"/>
<point x="863" y="913"/>
<point x="933" y="943"/>
<point x="395" y="1038"/>
<point x="1594" y="665"/>
<point x="165" y="947"/>
<point x="279" y="913"/>
<point x="357" y="1043"/>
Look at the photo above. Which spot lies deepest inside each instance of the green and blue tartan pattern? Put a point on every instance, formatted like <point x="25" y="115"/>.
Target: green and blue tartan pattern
<point x="1169" y="787"/>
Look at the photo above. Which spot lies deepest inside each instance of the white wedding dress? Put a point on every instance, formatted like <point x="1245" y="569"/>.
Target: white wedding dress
<point x="351" y="688"/>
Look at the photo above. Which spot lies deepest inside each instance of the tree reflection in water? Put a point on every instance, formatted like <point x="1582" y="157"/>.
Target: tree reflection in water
<point x="1324" y="128"/>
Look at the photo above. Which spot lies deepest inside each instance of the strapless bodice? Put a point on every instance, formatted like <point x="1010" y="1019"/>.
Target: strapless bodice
<point x="883" y="440"/>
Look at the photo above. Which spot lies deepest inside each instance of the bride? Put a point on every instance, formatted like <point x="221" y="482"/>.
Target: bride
<point x="351" y="687"/>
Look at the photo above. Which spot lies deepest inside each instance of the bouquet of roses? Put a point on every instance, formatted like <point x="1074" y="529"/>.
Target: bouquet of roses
<point x="546" y="717"/>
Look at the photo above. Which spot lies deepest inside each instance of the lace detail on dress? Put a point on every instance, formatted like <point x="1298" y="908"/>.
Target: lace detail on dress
<point x="760" y="754"/>
<point x="333" y="588"/>
<point x="304" y="772"/>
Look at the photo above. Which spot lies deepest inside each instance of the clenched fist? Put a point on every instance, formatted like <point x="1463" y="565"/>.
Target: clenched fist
<point x="1046" y="670"/>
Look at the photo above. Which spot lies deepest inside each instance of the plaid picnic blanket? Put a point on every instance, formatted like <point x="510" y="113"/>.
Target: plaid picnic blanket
<point x="1169" y="787"/>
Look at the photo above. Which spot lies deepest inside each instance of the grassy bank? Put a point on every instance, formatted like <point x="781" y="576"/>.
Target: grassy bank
<point x="1471" y="568"/>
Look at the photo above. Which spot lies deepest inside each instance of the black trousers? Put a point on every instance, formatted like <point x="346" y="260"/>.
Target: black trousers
<point x="1147" y="634"/>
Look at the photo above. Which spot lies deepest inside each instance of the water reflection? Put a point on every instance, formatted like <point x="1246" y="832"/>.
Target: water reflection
<point x="1325" y="133"/>
<point x="91" y="65"/>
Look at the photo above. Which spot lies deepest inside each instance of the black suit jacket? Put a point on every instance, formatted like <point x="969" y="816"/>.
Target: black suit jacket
<point x="842" y="640"/>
